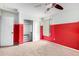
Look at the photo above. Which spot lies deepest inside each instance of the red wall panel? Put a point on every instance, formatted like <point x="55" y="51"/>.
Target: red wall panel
<point x="51" y="37"/>
<point x="18" y="34"/>
<point x="41" y="32"/>
<point x="65" y="34"/>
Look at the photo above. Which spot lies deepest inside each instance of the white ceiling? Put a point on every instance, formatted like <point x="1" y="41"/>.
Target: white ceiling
<point x="33" y="11"/>
<point x="38" y="9"/>
<point x="30" y="10"/>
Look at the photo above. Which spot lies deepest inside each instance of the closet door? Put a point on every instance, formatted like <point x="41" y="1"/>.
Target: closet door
<point x="7" y="21"/>
<point x="26" y="31"/>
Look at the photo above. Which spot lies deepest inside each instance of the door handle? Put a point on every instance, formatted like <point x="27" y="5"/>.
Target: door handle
<point x="12" y="32"/>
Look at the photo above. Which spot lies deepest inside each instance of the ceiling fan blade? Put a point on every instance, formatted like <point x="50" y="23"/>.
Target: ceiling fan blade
<point x="59" y="7"/>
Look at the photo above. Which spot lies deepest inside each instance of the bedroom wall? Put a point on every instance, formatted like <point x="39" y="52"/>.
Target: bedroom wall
<point x="64" y="27"/>
<point x="24" y="13"/>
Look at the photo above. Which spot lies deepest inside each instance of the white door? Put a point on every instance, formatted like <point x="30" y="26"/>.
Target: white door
<point x="7" y="21"/>
<point x="26" y="31"/>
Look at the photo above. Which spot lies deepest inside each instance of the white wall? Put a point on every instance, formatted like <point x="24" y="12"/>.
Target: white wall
<point x="36" y="30"/>
<point x="25" y="12"/>
<point x="68" y="15"/>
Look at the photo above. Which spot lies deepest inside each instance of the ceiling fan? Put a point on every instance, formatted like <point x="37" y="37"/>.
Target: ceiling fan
<point x="55" y="5"/>
<point x="52" y="5"/>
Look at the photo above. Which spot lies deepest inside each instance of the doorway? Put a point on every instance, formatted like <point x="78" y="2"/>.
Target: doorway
<point x="28" y="31"/>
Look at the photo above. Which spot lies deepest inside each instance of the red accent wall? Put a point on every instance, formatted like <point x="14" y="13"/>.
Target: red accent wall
<point x="18" y="34"/>
<point x="64" y="34"/>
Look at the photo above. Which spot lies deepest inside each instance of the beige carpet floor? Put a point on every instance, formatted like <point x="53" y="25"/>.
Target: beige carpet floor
<point x="39" y="48"/>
